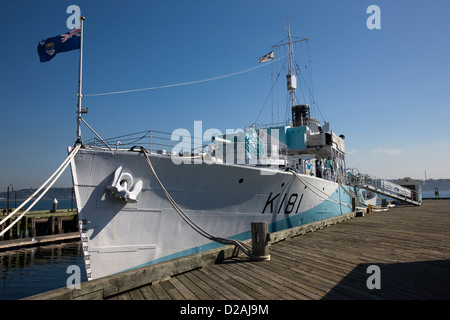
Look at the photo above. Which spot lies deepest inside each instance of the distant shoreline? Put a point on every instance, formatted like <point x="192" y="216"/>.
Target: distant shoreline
<point x="443" y="185"/>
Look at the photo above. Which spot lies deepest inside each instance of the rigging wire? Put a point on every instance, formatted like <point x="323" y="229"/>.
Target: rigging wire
<point x="183" y="83"/>
<point x="267" y="98"/>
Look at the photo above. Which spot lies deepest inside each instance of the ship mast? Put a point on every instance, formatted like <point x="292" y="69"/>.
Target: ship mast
<point x="292" y="83"/>
<point x="291" y="77"/>
<point x="80" y="110"/>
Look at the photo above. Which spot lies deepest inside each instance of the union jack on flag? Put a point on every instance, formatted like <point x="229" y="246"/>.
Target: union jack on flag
<point x="74" y="32"/>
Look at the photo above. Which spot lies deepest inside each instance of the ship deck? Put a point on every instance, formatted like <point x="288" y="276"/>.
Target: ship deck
<point x="409" y="244"/>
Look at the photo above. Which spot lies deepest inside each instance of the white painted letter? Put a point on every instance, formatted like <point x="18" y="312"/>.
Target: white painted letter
<point x="374" y="21"/>
<point x="73" y="22"/>
<point x="374" y="281"/>
<point x="183" y="148"/>
<point x="73" y="281"/>
<point x="197" y="140"/>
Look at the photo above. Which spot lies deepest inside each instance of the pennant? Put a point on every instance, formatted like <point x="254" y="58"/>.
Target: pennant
<point x="267" y="57"/>
<point x="48" y="48"/>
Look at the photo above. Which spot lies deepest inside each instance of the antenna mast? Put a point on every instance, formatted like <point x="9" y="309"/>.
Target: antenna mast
<point x="291" y="77"/>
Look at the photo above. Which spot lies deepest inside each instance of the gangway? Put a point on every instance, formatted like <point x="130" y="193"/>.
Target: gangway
<point x="386" y="188"/>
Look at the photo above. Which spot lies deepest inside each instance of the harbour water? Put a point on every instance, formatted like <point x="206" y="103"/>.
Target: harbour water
<point x="430" y="194"/>
<point x="28" y="271"/>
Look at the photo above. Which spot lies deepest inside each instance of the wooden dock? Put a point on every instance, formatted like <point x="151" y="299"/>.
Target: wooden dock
<point x="405" y="251"/>
<point x="38" y="224"/>
<point x="38" y="241"/>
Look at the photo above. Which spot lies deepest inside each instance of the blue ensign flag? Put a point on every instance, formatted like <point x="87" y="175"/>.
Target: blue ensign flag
<point x="48" y="48"/>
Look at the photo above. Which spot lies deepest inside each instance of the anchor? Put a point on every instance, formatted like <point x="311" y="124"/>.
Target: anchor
<point x="122" y="186"/>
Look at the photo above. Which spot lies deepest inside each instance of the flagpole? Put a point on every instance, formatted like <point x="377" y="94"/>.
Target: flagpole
<point x="80" y="73"/>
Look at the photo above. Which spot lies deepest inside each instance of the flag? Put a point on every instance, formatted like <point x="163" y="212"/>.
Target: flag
<point x="48" y="48"/>
<point x="267" y="57"/>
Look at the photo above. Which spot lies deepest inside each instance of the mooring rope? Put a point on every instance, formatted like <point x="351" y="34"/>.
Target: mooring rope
<point x="57" y="173"/>
<point x="245" y="248"/>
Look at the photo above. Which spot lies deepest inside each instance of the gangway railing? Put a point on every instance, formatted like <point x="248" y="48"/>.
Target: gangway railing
<point x="386" y="188"/>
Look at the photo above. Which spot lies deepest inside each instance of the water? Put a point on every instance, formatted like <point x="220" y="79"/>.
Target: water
<point x="29" y="271"/>
<point x="430" y="194"/>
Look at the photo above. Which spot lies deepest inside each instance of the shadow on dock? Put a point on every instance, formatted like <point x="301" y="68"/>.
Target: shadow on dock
<point x="398" y="281"/>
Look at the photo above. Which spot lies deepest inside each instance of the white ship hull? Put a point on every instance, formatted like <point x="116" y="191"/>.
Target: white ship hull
<point x="222" y="199"/>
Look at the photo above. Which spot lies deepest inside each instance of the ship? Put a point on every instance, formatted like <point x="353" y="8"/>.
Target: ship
<point x="139" y="207"/>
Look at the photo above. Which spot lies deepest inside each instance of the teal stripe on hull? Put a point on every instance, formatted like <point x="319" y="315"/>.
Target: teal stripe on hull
<point x="327" y="209"/>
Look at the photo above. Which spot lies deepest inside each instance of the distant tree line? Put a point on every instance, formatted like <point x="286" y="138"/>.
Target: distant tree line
<point x="441" y="184"/>
<point x="52" y="193"/>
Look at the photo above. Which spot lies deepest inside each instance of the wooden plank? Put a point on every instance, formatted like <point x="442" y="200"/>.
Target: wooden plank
<point x="147" y="293"/>
<point x="51" y="225"/>
<point x="215" y="284"/>
<point x="124" y="296"/>
<point x="227" y="285"/>
<point x="303" y="278"/>
<point x="229" y="292"/>
<point x="24" y="227"/>
<point x="245" y="289"/>
<point x="326" y="272"/>
<point x="171" y="290"/>
<point x="296" y="284"/>
<point x="279" y="283"/>
<point x="251" y="281"/>
<point x="184" y="291"/>
<point x="33" y="227"/>
<point x="136" y="294"/>
<point x="27" y="242"/>
<point x="193" y="287"/>
<point x="59" y="222"/>
<point x="200" y="280"/>
<point x="160" y="292"/>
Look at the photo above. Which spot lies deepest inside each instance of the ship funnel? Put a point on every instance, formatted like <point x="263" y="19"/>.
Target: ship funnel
<point x="300" y="115"/>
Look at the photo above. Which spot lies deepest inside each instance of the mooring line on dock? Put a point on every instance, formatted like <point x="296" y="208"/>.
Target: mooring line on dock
<point x="245" y="248"/>
<point x="57" y="173"/>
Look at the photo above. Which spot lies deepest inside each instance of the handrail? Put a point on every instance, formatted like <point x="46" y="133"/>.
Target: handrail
<point x="383" y="186"/>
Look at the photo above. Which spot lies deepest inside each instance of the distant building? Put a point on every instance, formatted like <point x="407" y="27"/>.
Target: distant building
<point x="414" y="185"/>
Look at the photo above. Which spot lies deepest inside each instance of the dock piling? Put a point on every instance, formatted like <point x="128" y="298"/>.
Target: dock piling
<point x="55" y="205"/>
<point x="260" y="240"/>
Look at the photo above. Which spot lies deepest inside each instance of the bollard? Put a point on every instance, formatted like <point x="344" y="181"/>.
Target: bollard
<point x="260" y="240"/>
<point x="55" y="205"/>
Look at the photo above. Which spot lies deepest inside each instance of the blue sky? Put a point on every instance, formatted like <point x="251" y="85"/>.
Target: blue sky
<point x="386" y="90"/>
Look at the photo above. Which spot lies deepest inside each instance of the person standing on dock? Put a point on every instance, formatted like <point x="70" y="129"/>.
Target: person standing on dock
<point x="436" y="193"/>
